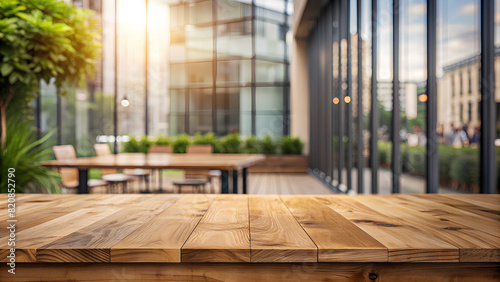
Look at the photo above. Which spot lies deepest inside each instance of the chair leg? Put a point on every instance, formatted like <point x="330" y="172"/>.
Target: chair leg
<point x="146" y="182"/>
<point x="160" y="177"/>
<point x="124" y="186"/>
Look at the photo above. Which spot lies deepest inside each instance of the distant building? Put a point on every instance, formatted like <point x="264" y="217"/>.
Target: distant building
<point x="459" y="93"/>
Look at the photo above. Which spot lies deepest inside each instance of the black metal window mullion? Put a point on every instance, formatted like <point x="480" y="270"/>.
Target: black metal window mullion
<point x="432" y="153"/>
<point x="146" y="79"/>
<point x="253" y="111"/>
<point x="340" y="95"/>
<point x="115" y="96"/>
<point x="374" y="163"/>
<point x="396" y="117"/>
<point x="349" y="118"/>
<point x="488" y="171"/>
<point x="286" y="102"/>
<point x="214" y="66"/>
<point x="360" y="144"/>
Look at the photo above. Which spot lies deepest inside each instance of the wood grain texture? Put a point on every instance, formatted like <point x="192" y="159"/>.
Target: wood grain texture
<point x="257" y="229"/>
<point x="281" y="164"/>
<point x="491" y="201"/>
<point x="275" y="235"/>
<point x="161" y="239"/>
<point x="478" y="208"/>
<point x="337" y="239"/>
<point x="404" y="242"/>
<point x="93" y="243"/>
<point x="388" y="272"/>
<point x="446" y="212"/>
<point x="474" y="245"/>
<point x="223" y="233"/>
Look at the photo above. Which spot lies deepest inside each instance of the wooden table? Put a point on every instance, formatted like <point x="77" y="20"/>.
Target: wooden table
<point x="254" y="238"/>
<point x="223" y="162"/>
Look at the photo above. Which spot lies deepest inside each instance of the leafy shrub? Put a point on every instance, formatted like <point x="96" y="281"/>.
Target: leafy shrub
<point x="231" y="144"/>
<point x="180" y="144"/>
<point x="24" y="152"/>
<point x="385" y="152"/>
<point x="447" y="156"/>
<point x="131" y="146"/>
<point x="253" y="145"/>
<point x="461" y="169"/>
<point x="163" y="141"/>
<point x="268" y="145"/>
<point x="291" y="145"/>
<point x="207" y="139"/>
<point x="416" y="160"/>
<point x="144" y="145"/>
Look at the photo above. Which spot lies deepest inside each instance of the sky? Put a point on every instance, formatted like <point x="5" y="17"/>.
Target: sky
<point x="458" y="34"/>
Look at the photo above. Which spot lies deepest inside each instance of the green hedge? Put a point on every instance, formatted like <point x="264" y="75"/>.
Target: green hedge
<point x="455" y="164"/>
<point x="229" y="144"/>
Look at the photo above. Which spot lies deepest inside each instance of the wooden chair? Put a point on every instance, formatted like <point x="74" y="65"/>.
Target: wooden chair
<point x="161" y="149"/>
<point x="202" y="149"/>
<point x="111" y="175"/>
<point x="70" y="175"/>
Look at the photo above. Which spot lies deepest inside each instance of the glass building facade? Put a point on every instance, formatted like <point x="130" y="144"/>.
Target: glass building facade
<point x="412" y="107"/>
<point x="229" y="67"/>
<point x="184" y="66"/>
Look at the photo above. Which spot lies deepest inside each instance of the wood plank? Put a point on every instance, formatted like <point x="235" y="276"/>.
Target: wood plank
<point x="474" y="245"/>
<point x="396" y="272"/>
<point x="463" y="217"/>
<point x="404" y="242"/>
<point x="275" y="235"/>
<point x="281" y="164"/>
<point x="490" y="201"/>
<point x="93" y="243"/>
<point x="337" y="239"/>
<point x="161" y="239"/>
<point x="162" y="161"/>
<point x="462" y="205"/>
<point x="53" y="221"/>
<point x="223" y="235"/>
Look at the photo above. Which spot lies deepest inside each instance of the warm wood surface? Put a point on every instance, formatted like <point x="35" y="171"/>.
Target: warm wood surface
<point x="253" y="229"/>
<point x="162" y="161"/>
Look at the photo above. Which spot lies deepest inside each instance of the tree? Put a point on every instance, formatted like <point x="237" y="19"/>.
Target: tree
<point x="43" y="39"/>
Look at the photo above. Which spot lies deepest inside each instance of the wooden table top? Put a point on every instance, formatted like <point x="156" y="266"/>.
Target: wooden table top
<point x="247" y="228"/>
<point x="162" y="161"/>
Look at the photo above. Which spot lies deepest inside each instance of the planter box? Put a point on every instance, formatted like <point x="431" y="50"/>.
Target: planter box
<point x="281" y="163"/>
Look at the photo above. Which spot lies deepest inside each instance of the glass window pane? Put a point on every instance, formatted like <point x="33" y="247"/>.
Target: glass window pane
<point x="458" y="61"/>
<point x="269" y="72"/>
<point x="234" y="40"/>
<point x="177" y="16"/>
<point x="269" y="40"/>
<point x="48" y="117"/>
<point x="200" y="101"/>
<point x="199" y="43"/>
<point x="234" y="72"/>
<point x="177" y="101"/>
<point x="269" y="98"/>
<point x="176" y="124"/>
<point x="199" y="12"/>
<point x="228" y="99"/>
<point x="178" y="75"/>
<point x="269" y="15"/>
<point x="228" y="123"/>
<point x="275" y="5"/>
<point x="200" y="124"/>
<point x="199" y="74"/>
<point x="269" y="124"/>
<point x="231" y="10"/>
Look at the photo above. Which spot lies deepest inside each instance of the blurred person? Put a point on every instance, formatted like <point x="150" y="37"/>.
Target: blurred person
<point x="476" y="137"/>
